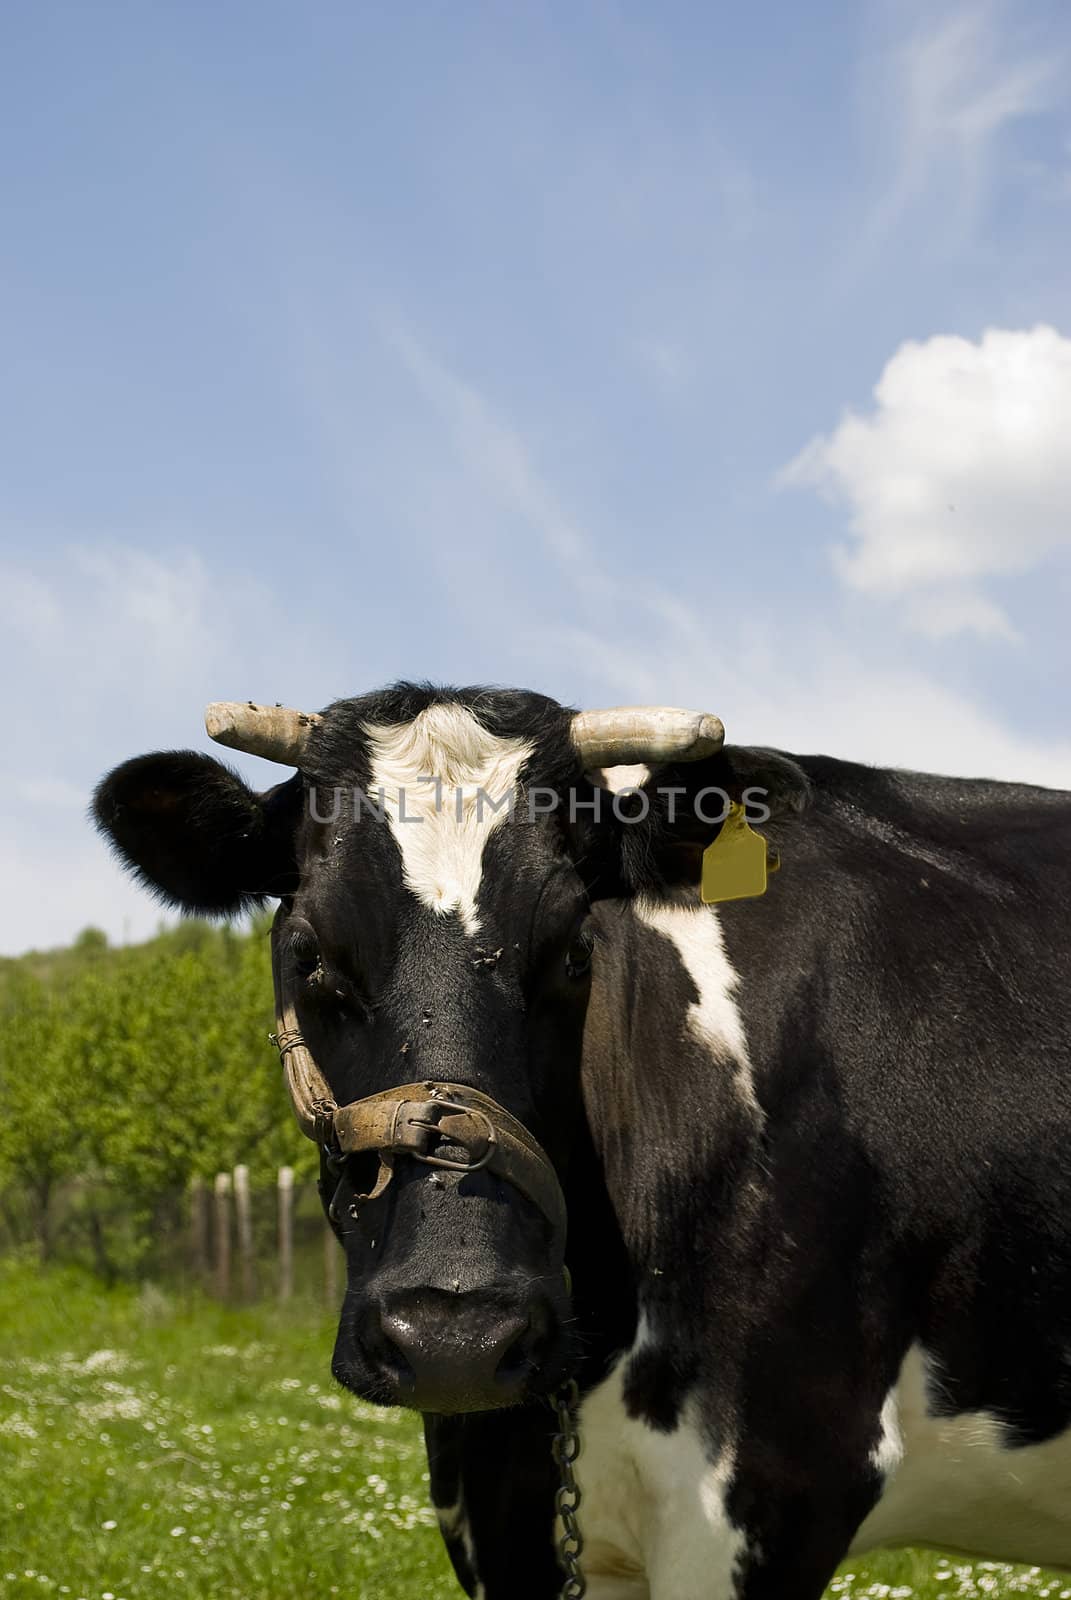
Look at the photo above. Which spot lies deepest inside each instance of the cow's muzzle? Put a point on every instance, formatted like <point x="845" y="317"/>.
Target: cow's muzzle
<point x="435" y="1351"/>
<point x="423" y="1347"/>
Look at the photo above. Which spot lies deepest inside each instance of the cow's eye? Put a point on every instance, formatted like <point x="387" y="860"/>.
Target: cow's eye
<point x="578" y="956"/>
<point x="305" y="952"/>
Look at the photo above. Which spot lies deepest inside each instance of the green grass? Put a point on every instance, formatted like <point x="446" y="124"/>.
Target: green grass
<point x="150" y="1448"/>
<point x="154" y="1447"/>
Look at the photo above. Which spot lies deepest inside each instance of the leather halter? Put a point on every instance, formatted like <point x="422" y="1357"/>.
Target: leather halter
<point x="412" y="1119"/>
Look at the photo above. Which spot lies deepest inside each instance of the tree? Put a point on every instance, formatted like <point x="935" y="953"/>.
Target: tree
<point x="43" y="1134"/>
<point x="136" y="1069"/>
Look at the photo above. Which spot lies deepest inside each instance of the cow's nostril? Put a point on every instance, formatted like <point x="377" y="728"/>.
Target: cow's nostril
<point x="469" y="1357"/>
<point x="399" y="1341"/>
<point x="516" y="1352"/>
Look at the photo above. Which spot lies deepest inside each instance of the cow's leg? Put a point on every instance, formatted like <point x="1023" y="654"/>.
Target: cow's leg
<point x="799" y="1510"/>
<point x="444" y="1439"/>
<point x="788" y="1546"/>
<point x="493" y="1480"/>
<point x="798" y="1560"/>
<point x="664" y="1517"/>
<point x="655" y="1504"/>
<point x="669" y="1513"/>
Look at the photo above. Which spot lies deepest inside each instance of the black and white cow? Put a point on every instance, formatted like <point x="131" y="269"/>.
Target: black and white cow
<point x="815" y="1146"/>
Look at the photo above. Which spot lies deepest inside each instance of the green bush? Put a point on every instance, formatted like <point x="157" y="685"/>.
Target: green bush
<point x="134" y="1070"/>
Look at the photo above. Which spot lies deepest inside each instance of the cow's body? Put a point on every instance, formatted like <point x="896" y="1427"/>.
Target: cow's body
<point x="815" y="1146"/>
<point x="835" y="1130"/>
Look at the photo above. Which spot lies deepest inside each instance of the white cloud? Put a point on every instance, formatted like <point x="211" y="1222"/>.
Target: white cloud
<point x="104" y="632"/>
<point x="494" y="453"/>
<point x="56" y="885"/>
<point x="960" y="473"/>
<point x="940" y="613"/>
<point x="666" y="361"/>
<point x="773" y="683"/>
<point x="800" y="690"/>
<point x="943" y="96"/>
<point x="117" y="651"/>
<point x="50" y="793"/>
<point x="121" y="649"/>
<point x="834" y="701"/>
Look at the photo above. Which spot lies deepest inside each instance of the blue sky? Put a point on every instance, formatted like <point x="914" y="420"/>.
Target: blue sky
<point x="705" y="354"/>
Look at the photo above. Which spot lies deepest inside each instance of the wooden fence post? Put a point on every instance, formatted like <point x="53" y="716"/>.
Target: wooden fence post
<point x="243" y="1217"/>
<point x="286" y="1232"/>
<point x="223" y="1234"/>
<point x="200" y="1243"/>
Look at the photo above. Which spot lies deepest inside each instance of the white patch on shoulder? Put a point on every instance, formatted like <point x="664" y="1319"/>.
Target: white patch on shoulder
<point x="955" y="1483"/>
<point x="714" y="1019"/>
<point x="441" y="777"/>
<point x="653" y="1512"/>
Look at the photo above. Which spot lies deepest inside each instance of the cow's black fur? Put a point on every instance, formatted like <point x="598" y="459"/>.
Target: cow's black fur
<point x="903" y="995"/>
<point x="195" y="835"/>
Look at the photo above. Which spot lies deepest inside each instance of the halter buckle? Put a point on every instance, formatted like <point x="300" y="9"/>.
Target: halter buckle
<point x="417" y="1123"/>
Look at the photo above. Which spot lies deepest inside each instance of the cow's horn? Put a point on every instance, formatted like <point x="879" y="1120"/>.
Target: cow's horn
<point x="275" y="732"/>
<point x="627" y="735"/>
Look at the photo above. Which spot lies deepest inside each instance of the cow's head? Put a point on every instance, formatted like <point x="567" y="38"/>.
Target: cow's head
<point x="436" y="856"/>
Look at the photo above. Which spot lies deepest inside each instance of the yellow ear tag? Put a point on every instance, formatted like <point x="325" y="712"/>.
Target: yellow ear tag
<point x="735" y="866"/>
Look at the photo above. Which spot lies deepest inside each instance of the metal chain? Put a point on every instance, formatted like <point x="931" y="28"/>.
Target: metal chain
<point x="567" y="1500"/>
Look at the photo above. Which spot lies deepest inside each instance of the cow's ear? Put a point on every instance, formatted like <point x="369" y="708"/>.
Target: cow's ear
<point x="655" y="841"/>
<point x="196" y="835"/>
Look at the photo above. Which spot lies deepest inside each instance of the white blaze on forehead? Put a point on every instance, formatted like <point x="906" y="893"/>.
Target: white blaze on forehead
<point x="618" y="779"/>
<point x="444" y="779"/>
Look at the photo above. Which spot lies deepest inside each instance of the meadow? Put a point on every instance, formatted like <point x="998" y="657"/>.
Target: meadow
<point x="152" y="1445"/>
